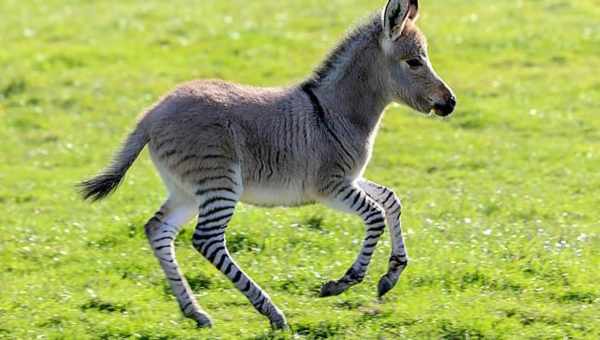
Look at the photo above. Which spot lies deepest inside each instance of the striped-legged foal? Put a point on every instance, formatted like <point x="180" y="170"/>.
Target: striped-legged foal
<point x="216" y="143"/>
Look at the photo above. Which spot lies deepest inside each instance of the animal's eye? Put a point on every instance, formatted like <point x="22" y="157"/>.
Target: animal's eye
<point x="414" y="63"/>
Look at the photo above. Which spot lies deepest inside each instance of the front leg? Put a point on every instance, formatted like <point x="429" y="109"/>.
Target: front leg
<point x="399" y="258"/>
<point x="346" y="196"/>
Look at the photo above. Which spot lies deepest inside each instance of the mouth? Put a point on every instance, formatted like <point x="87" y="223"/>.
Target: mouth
<point x="439" y="109"/>
<point x="443" y="110"/>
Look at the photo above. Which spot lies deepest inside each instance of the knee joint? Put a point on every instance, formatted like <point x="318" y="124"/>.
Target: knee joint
<point x="393" y="203"/>
<point x="352" y="276"/>
<point x="204" y="245"/>
<point x="152" y="226"/>
<point x="375" y="216"/>
<point x="399" y="260"/>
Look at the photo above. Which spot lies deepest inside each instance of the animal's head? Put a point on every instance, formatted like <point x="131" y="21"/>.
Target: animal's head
<point x="411" y="76"/>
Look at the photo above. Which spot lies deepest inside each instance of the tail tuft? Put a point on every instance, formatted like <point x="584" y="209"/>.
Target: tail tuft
<point x="99" y="187"/>
<point x="108" y="181"/>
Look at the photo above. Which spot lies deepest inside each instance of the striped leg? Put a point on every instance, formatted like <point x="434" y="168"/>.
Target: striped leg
<point x="216" y="210"/>
<point x="349" y="197"/>
<point x="399" y="257"/>
<point x="161" y="231"/>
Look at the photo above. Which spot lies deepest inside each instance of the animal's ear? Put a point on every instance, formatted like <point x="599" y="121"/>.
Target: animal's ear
<point x="396" y="13"/>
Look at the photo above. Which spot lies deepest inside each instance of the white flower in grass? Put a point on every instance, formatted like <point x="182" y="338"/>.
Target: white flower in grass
<point x="582" y="237"/>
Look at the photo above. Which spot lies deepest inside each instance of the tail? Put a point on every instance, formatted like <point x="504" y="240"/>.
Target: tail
<point x="108" y="180"/>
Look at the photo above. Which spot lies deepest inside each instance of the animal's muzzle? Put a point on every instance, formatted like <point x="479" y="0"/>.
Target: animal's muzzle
<point x="446" y="108"/>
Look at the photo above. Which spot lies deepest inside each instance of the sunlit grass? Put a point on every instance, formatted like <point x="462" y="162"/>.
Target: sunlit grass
<point x="501" y="201"/>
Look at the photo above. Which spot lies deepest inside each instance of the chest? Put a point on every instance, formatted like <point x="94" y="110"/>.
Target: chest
<point x="349" y="153"/>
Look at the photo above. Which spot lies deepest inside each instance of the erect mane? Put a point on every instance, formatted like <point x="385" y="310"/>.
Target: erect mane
<point x="339" y="56"/>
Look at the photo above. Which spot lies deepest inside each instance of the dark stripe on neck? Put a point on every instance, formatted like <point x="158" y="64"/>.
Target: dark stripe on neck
<point x="308" y="87"/>
<point x="317" y="107"/>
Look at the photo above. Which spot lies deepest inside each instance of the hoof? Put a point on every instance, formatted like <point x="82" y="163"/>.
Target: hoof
<point x="202" y="320"/>
<point x="277" y="318"/>
<point x="204" y="324"/>
<point x="332" y="288"/>
<point x="279" y="323"/>
<point x="385" y="285"/>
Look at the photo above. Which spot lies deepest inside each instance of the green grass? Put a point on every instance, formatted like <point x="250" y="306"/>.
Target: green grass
<point x="501" y="201"/>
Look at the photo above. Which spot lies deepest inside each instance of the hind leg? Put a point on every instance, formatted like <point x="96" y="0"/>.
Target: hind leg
<point x="217" y="198"/>
<point x="161" y="231"/>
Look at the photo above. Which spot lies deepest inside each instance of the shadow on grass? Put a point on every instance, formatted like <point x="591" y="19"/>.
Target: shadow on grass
<point x="348" y="304"/>
<point x="527" y="318"/>
<point x="452" y="331"/>
<point x="578" y="297"/>
<point x="103" y="306"/>
<point x="314" y="223"/>
<point x="197" y="282"/>
<point x="320" y="330"/>
<point x="240" y="241"/>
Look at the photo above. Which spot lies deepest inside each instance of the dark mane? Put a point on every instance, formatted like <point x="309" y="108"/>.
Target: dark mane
<point x="362" y="33"/>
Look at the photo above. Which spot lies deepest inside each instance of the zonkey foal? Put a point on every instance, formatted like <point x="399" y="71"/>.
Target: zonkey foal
<point x="216" y="143"/>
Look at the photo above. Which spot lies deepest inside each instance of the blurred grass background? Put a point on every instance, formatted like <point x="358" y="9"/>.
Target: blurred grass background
<point x="501" y="201"/>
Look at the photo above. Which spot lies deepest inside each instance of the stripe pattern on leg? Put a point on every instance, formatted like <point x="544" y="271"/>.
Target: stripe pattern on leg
<point x="216" y="210"/>
<point x="354" y="199"/>
<point x="399" y="257"/>
<point x="161" y="237"/>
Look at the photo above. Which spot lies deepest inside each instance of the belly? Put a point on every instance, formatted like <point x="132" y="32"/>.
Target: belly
<point x="273" y="196"/>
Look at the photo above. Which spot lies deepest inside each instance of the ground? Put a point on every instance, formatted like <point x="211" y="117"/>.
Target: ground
<point x="500" y="201"/>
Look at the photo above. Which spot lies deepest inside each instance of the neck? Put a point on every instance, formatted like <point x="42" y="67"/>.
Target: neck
<point x="348" y="83"/>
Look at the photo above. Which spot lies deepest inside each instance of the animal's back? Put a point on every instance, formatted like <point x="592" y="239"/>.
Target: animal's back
<point x="206" y="100"/>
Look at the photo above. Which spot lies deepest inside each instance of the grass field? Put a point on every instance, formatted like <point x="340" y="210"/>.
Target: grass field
<point x="500" y="202"/>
